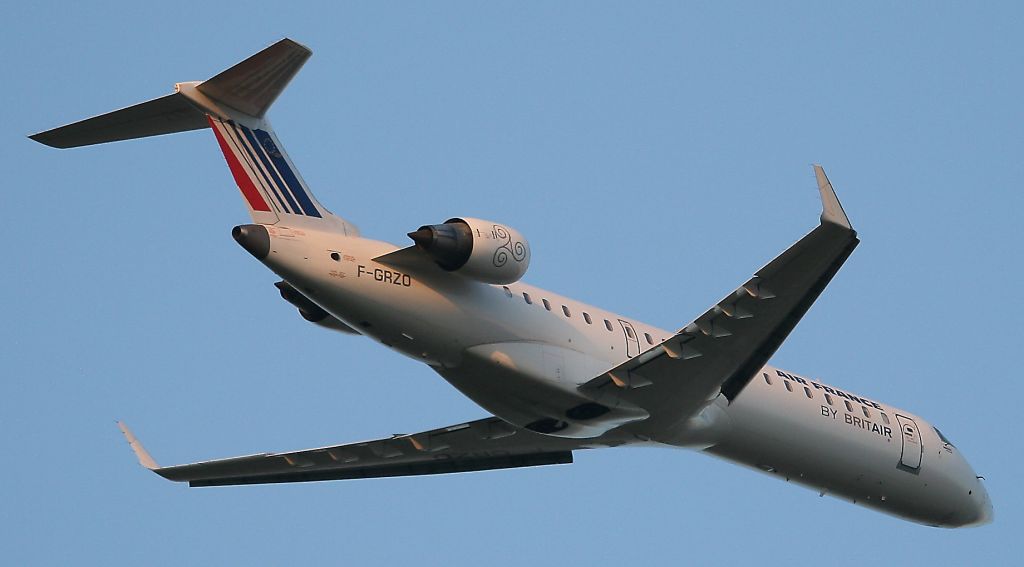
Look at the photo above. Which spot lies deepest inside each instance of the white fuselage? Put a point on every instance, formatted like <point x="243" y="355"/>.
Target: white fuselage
<point x="516" y="348"/>
<point x="528" y="355"/>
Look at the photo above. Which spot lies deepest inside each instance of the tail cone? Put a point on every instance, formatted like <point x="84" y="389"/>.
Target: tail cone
<point x="254" y="238"/>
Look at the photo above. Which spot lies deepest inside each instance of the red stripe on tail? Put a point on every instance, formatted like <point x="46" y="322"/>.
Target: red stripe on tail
<point x="245" y="184"/>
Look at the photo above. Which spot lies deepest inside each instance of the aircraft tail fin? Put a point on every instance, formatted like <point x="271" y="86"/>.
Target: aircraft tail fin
<point x="248" y="88"/>
<point x="234" y="104"/>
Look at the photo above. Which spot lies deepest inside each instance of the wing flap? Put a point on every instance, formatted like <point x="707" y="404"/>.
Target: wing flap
<point x="438" y="466"/>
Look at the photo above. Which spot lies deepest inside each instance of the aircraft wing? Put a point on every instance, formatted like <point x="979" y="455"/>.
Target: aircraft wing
<point x="721" y="350"/>
<point x="484" y="444"/>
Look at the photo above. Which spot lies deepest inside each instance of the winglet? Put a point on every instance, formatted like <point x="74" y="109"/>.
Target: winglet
<point x="140" y="451"/>
<point x="831" y="210"/>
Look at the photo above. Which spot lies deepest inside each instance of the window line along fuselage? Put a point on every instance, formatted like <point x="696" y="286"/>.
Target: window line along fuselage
<point x="558" y="369"/>
<point x="806" y="432"/>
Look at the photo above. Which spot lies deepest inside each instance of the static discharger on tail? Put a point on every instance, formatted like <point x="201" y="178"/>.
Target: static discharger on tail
<point x="556" y="375"/>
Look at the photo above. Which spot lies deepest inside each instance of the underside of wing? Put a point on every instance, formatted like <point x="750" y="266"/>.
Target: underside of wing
<point x="720" y="351"/>
<point x="485" y="444"/>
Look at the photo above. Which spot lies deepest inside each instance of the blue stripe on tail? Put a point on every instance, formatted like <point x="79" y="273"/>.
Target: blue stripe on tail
<point x="276" y="181"/>
<point x="237" y="139"/>
<point x="282" y="166"/>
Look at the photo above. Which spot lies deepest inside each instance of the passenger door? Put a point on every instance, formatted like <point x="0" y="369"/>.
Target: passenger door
<point x="912" y="447"/>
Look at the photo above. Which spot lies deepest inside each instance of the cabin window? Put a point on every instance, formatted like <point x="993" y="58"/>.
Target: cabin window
<point x="335" y="256"/>
<point x="526" y="297"/>
<point x="547" y="304"/>
<point x="808" y="392"/>
<point x="885" y="419"/>
<point x="789" y="385"/>
<point x="629" y="332"/>
<point x="650" y="339"/>
<point x="586" y="317"/>
<point x="865" y="410"/>
<point x="507" y="290"/>
<point x="767" y="379"/>
<point x="607" y="324"/>
<point x="828" y="399"/>
<point x="849" y="406"/>
<point x="566" y="311"/>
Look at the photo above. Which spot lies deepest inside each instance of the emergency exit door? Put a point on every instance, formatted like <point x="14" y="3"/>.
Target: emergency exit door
<point x="632" y="341"/>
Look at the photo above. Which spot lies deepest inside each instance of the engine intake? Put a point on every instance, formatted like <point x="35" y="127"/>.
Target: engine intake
<point x="479" y="249"/>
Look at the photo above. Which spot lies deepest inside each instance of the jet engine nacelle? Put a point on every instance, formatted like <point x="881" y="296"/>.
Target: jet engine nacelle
<point x="311" y="311"/>
<point x="479" y="249"/>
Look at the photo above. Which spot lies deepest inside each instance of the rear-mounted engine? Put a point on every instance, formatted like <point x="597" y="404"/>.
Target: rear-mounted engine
<point x="479" y="249"/>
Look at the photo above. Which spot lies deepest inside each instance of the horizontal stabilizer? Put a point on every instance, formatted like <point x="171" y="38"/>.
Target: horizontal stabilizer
<point x="164" y="115"/>
<point x="249" y="88"/>
<point x="254" y="84"/>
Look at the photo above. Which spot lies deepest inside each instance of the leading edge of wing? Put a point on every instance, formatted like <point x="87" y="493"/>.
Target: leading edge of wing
<point x="722" y="349"/>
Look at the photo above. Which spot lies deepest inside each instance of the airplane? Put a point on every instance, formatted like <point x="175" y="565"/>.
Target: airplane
<point x="556" y="375"/>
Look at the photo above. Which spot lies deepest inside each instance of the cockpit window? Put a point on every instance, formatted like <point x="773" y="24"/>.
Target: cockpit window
<point x="943" y="437"/>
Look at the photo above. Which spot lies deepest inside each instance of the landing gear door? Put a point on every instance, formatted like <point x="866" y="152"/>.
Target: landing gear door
<point x="632" y="341"/>
<point x="912" y="448"/>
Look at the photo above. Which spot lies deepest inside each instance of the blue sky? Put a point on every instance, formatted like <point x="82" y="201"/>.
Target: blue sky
<point x="654" y="155"/>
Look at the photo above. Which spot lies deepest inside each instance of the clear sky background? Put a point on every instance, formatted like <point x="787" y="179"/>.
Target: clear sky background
<point x="654" y="155"/>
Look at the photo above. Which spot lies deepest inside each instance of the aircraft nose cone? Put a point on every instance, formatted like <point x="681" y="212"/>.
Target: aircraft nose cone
<point x="254" y="238"/>
<point x="982" y="513"/>
<point x="975" y="506"/>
